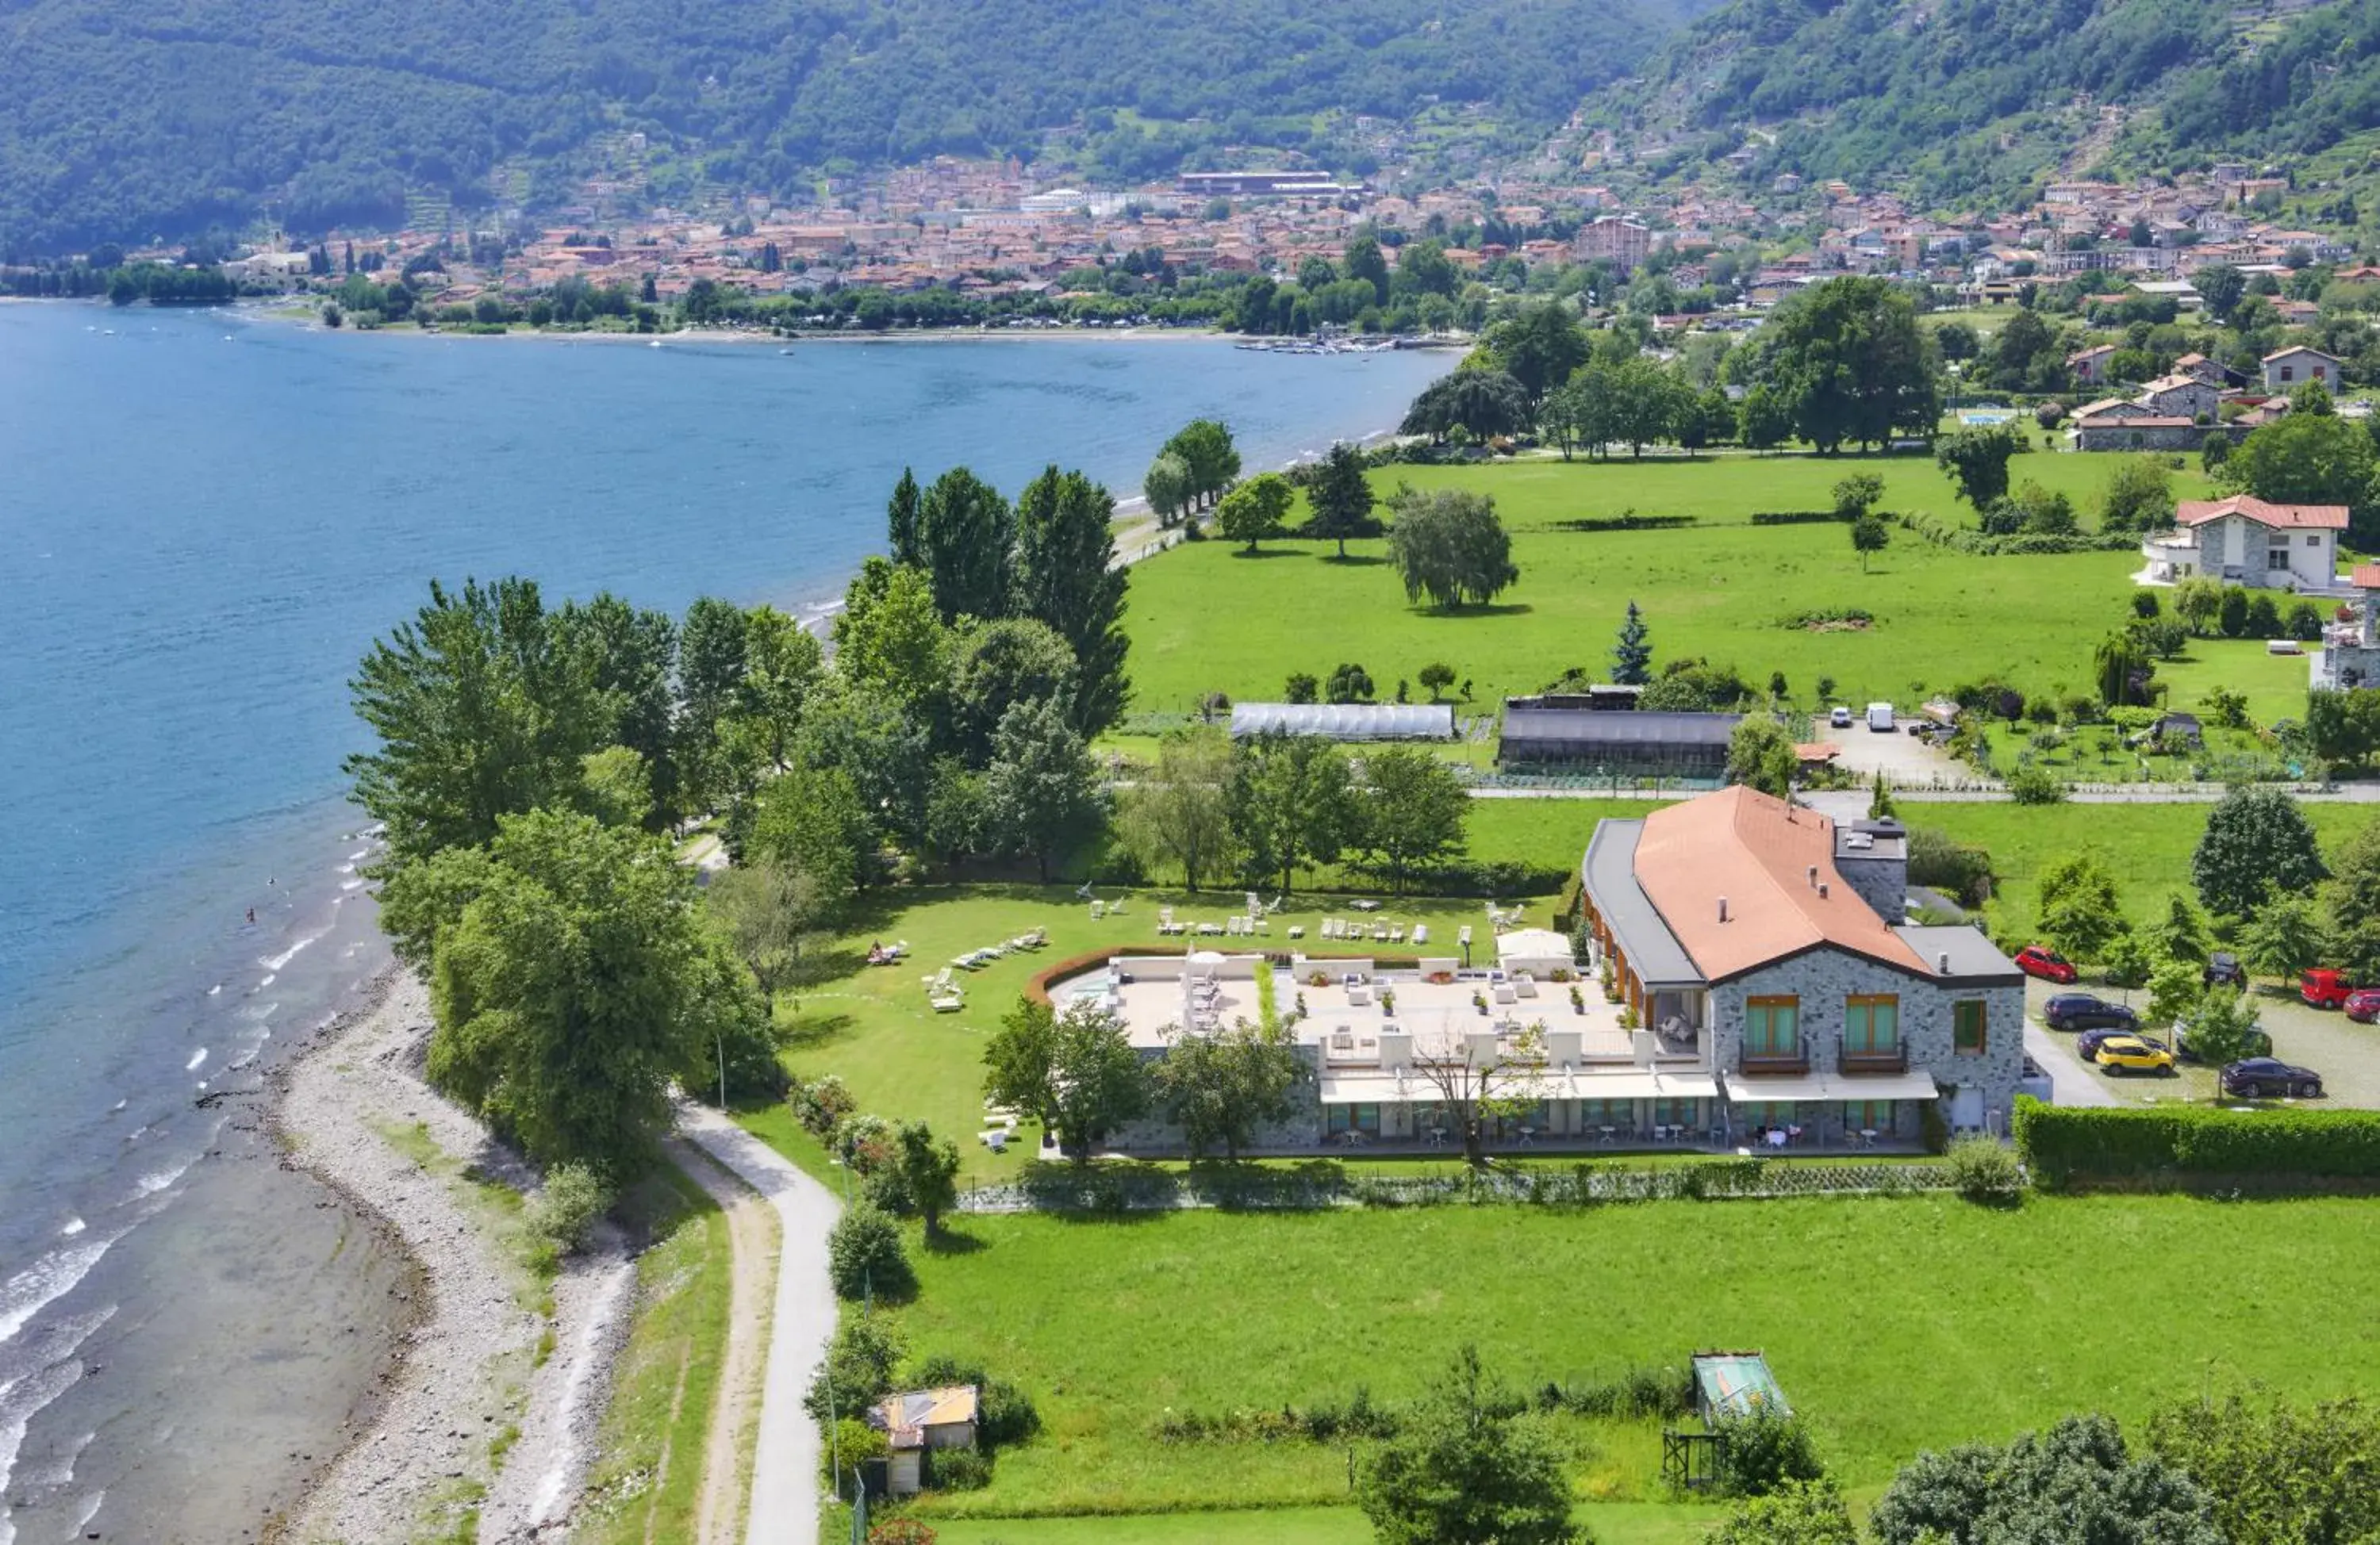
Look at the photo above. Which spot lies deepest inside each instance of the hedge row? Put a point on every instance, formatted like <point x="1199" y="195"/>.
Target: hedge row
<point x="1800" y="517"/>
<point x="1623" y="522"/>
<point x="2066" y="1146"/>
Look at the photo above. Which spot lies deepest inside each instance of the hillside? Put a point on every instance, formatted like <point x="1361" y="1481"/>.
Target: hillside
<point x="118" y="121"/>
<point x="1963" y="98"/>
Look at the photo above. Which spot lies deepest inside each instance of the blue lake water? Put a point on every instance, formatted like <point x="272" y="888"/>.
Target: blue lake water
<point x="205" y="518"/>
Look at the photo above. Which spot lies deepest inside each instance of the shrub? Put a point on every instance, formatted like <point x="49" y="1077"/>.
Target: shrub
<point x="863" y="1255"/>
<point x="855" y="1442"/>
<point x="564" y="1212"/>
<point x="857" y="1370"/>
<point x="2035" y="785"/>
<point x="957" y="1469"/>
<point x="2063" y="1146"/>
<point x="820" y="1106"/>
<point x="1004" y="1413"/>
<point x="1762" y="1450"/>
<point x="1984" y="1169"/>
<point x="901" y="1531"/>
<point x="1961" y="872"/>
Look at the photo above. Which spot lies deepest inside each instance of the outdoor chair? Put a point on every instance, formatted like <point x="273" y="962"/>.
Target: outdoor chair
<point x="1421" y="933"/>
<point x="1099" y="910"/>
<point x="1296" y="931"/>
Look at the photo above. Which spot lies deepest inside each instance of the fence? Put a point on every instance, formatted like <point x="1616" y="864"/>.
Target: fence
<point x="1107" y="1189"/>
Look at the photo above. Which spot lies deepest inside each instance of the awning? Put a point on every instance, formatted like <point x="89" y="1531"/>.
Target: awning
<point x="1821" y="1086"/>
<point x="1371" y="1087"/>
<point x="1685" y="1086"/>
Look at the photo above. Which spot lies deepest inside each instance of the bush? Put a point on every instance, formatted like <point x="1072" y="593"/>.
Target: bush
<point x="856" y="1373"/>
<point x="564" y="1212"/>
<point x="864" y="1255"/>
<point x="901" y="1531"/>
<point x="957" y="1469"/>
<point x="2035" y="785"/>
<point x="1004" y="1413"/>
<point x="1801" y="517"/>
<point x="1762" y="1450"/>
<point x="855" y="1442"/>
<point x="1961" y="872"/>
<point x="1984" y="1169"/>
<point x="819" y="1106"/>
<point x="2065" y="1146"/>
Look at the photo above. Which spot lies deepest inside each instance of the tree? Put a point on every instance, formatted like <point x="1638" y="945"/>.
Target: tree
<point x="1483" y="403"/>
<point x="857" y="1371"/>
<point x="573" y="981"/>
<point x="711" y="663"/>
<point x="479" y="714"/>
<point x="1799" y="1513"/>
<point x="1412" y="814"/>
<point x="1291" y="803"/>
<point x="2274" y="1472"/>
<point x="772" y="912"/>
<point x="1764" y="419"/>
<point x="812" y="821"/>
<point x="966" y="534"/>
<point x="995" y="668"/>
<point x="1179" y="813"/>
<point x="2354" y="905"/>
<point x="927" y="1172"/>
<point x="1977" y="460"/>
<point x="1448" y="544"/>
<point x="891" y="637"/>
<point x="1850" y="358"/>
<point x="1642" y="402"/>
<point x="1340" y="499"/>
<point x="1255" y="509"/>
<point x="1208" y="457"/>
<point x="2220" y="287"/>
<point x="1041" y="790"/>
<point x="901" y="521"/>
<point x="2308" y="458"/>
<point x="1067" y="577"/>
<point x="1760" y="756"/>
<point x="2258" y="844"/>
<point x="2180" y="935"/>
<point x="1856" y="495"/>
<point x="782" y="662"/>
<point x="1465" y="1469"/>
<point x="615" y="787"/>
<point x="864" y="1255"/>
<point x="1166" y="484"/>
<point x="631" y="656"/>
<point x="2078" y="908"/>
<point x="2198" y="602"/>
<point x="1869" y="535"/>
<point x="1301" y="687"/>
<point x="1364" y="260"/>
<point x="1222" y="1086"/>
<point x="1631" y="657"/>
<point x="2117" y="666"/>
<point x="2285" y="938"/>
<point x="2139" y="497"/>
<point x="1091" y="1082"/>
<point x="2222" y="1027"/>
<point x="1435" y="678"/>
<point x="2075" y="1482"/>
<point x="1349" y="682"/>
<point x="2125" y="959"/>
<point x="1539" y="349"/>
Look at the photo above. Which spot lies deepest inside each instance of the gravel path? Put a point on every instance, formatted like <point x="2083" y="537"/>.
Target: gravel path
<point x="752" y="1241"/>
<point x="466" y="1350"/>
<point x="784" y="1509"/>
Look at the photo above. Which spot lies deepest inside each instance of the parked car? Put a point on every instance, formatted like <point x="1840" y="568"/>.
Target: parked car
<point x="2130" y="1054"/>
<point x="2082" y="1012"/>
<point x="2039" y="959"/>
<point x="2363" y="1005"/>
<point x="2224" y="966"/>
<point x="1880" y="717"/>
<point x="2257" y="1043"/>
<point x="2260" y="1078"/>
<point x="2087" y="1045"/>
<point x="2325" y="989"/>
<point x="1840" y="716"/>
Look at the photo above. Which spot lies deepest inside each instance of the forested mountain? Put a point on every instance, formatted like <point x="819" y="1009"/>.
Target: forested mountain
<point x="1961" y="98"/>
<point x="120" y="119"/>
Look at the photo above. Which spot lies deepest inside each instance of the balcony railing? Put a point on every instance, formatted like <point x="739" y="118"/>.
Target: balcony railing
<point x="1886" y="1059"/>
<point x="1776" y="1062"/>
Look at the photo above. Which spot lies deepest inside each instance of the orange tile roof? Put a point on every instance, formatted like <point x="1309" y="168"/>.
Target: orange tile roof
<point x="1756" y="851"/>
<point x="2365" y="578"/>
<point x="2311" y="518"/>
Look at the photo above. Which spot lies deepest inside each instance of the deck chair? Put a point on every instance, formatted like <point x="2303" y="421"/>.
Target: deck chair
<point x="1099" y="910"/>
<point x="1421" y="933"/>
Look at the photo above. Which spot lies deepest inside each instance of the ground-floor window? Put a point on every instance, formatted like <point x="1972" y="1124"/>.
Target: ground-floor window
<point x="1762" y="1114"/>
<point x="1678" y="1113"/>
<point x="1618" y="1115"/>
<point x="1870" y="1116"/>
<point x="1351" y="1118"/>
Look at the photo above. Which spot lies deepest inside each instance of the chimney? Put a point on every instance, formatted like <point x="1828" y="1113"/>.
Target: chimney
<point x="1822" y="890"/>
<point x="1722" y="909"/>
<point x="1813" y="873"/>
<point x="1942" y="963"/>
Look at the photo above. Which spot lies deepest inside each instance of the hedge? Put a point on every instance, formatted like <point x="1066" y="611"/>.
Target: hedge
<point x="1623" y="522"/>
<point x="2076" y="1146"/>
<point x="1801" y="517"/>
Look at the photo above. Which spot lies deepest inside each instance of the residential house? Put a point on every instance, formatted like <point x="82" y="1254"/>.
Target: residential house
<point x="1624" y="242"/>
<point x="2090" y="366"/>
<point x="2287" y="369"/>
<point x="1779" y="939"/>
<point x="2180" y="396"/>
<point x="2244" y="541"/>
<point x="915" y="1421"/>
<point x="2349" y="655"/>
<point x="2199" y="367"/>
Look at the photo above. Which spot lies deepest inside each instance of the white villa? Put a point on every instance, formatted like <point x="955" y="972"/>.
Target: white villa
<point x="2243" y="540"/>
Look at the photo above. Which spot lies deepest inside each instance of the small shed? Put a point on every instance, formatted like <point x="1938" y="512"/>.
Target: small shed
<point x="915" y="1421"/>
<point x="1346" y="721"/>
<point x="2183" y="729"/>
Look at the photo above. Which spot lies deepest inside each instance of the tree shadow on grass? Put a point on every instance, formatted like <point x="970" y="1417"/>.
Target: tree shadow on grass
<point x="1267" y="552"/>
<point x="1466" y="613"/>
<point x="807" y="1032"/>
<point x="954" y="1241"/>
<point x="1355" y="560"/>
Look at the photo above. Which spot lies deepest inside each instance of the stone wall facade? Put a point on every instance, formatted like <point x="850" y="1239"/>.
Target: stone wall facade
<point x="1822" y="980"/>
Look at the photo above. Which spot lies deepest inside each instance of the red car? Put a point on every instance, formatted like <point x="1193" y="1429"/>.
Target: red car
<point x="2036" y="960"/>
<point x="2363" y="1005"/>
<point x="2326" y="988"/>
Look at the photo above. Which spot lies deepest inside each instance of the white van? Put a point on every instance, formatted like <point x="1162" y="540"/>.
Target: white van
<point x="1880" y="717"/>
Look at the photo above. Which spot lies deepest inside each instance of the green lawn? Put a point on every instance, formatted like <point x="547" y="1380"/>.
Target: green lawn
<point x="1893" y="1325"/>
<point x="1208" y="618"/>
<point x="1613" y="1523"/>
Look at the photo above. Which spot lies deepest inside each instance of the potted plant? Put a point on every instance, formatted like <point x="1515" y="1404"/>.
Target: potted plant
<point x="1628" y="1020"/>
<point x="1610" y="983"/>
<point x="1388" y="1001"/>
<point x="1479" y="1001"/>
<point x="1577" y="1000"/>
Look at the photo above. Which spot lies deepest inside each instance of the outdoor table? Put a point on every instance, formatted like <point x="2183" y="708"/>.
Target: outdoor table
<point x="1776" y="1137"/>
<point x="1867" y="1137"/>
<point x="1607" y="1134"/>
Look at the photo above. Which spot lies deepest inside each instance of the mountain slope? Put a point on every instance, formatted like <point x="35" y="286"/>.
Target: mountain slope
<point x="1961" y="99"/>
<point x="119" y="121"/>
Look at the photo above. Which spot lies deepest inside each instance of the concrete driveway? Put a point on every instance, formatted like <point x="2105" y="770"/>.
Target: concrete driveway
<point x="2346" y="1054"/>
<point x="2070" y="1083"/>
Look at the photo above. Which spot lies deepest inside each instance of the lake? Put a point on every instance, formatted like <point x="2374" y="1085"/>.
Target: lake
<point x="205" y="518"/>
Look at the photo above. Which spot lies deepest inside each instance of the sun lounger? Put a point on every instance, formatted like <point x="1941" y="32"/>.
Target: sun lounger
<point x="1099" y="910"/>
<point x="995" y="1139"/>
<point x="1297" y="930"/>
<point x="1421" y="933"/>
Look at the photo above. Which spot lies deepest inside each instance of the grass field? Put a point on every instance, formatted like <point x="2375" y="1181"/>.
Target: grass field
<point x="1893" y="1325"/>
<point x="1613" y="1523"/>
<point x="1208" y="618"/>
<point x="648" y="1482"/>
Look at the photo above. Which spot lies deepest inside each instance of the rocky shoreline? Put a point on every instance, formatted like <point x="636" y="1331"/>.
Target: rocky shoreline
<point x="497" y="1382"/>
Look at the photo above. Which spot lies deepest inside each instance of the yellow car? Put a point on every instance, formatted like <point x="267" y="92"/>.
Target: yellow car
<point x="2129" y="1054"/>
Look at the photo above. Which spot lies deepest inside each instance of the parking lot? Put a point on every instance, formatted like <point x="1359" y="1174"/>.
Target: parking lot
<point x="2346" y="1054"/>
<point x="1901" y="757"/>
